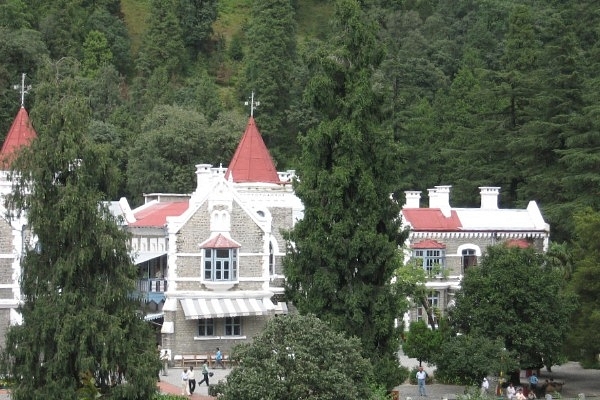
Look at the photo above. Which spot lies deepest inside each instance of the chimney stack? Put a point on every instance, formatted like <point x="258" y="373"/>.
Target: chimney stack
<point x="413" y="199"/>
<point x="489" y="197"/>
<point x="439" y="197"/>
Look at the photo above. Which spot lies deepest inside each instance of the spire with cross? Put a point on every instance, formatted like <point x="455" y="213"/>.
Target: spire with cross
<point x="24" y="89"/>
<point x="253" y="104"/>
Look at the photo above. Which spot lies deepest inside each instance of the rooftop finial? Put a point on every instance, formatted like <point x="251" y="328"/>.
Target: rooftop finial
<point x="24" y="89"/>
<point x="253" y="104"/>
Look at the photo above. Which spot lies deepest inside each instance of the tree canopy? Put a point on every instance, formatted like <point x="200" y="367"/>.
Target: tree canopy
<point x="517" y="296"/>
<point x="80" y="321"/>
<point x="297" y="357"/>
<point x="584" y="340"/>
<point x="344" y="252"/>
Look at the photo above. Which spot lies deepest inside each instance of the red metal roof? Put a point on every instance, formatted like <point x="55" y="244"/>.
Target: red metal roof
<point x="520" y="243"/>
<point x="20" y="134"/>
<point x="219" y="242"/>
<point x="431" y="219"/>
<point x="428" y="244"/>
<point x="156" y="214"/>
<point x="252" y="161"/>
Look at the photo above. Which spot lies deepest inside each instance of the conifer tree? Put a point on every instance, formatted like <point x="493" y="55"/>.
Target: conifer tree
<point x="80" y="324"/>
<point x="344" y="252"/>
<point x="269" y="67"/>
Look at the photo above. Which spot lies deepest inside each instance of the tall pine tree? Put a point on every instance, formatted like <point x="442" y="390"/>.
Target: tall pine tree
<point x="269" y="71"/>
<point x="344" y="252"/>
<point x="80" y="322"/>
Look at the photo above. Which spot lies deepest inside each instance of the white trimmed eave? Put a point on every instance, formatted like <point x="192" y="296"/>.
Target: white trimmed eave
<point x="505" y="234"/>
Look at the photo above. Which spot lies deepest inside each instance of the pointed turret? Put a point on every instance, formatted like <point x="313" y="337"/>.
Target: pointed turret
<point x="20" y="134"/>
<point x="252" y="161"/>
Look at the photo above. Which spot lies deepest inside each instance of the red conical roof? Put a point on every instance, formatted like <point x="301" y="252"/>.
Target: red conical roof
<point x="20" y="134"/>
<point x="252" y="161"/>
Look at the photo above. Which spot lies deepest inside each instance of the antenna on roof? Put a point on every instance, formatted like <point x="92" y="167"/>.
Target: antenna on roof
<point x="24" y="89"/>
<point x="253" y="104"/>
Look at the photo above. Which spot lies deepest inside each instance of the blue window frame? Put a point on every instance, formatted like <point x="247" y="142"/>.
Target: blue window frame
<point x="432" y="260"/>
<point x="220" y="264"/>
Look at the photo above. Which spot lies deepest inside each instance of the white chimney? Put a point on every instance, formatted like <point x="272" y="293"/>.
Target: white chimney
<point x="439" y="197"/>
<point x="489" y="197"/>
<point x="413" y="199"/>
<point x="203" y="175"/>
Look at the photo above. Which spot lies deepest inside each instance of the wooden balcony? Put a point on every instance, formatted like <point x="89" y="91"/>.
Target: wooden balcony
<point x="152" y="289"/>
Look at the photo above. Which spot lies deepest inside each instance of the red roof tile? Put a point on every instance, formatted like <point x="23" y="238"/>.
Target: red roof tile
<point x="219" y="242"/>
<point x="20" y="134"/>
<point x="431" y="219"/>
<point x="252" y="161"/>
<point x="428" y="244"/>
<point x="520" y="243"/>
<point x="156" y="214"/>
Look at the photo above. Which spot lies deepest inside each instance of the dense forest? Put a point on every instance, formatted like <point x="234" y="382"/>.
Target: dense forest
<point x="477" y="92"/>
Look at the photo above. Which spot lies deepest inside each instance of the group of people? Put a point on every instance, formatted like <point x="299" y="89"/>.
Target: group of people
<point x="188" y="378"/>
<point x="513" y="393"/>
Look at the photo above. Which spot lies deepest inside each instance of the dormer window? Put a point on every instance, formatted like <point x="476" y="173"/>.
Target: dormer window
<point x="220" y="264"/>
<point x="220" y="257"/>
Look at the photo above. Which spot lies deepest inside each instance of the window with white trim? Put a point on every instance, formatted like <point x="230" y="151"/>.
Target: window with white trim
<point x="233" y="326"/>
<point x="469" y="258"/>
<point x="220" y="264"/>
<point x="206" y="327"/>
<point x="432" y="260"/>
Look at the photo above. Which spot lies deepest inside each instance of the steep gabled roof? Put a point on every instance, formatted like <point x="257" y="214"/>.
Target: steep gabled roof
<point x="156" y="215"/>
<point x="252" y="161"/>
<point x="20" y="134"/>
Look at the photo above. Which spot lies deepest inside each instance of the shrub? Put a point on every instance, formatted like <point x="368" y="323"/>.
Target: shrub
<point x="216" y="389"/>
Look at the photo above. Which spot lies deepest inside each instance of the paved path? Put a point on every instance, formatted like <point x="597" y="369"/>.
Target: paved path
<point x="577" y="380"/>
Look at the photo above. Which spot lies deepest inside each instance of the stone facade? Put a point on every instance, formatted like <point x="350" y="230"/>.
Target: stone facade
<point x="247" y="218"/>
<point x="460" y="236"/>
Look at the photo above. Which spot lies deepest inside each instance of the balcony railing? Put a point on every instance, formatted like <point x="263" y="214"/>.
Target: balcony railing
<point x="152" y="289"/>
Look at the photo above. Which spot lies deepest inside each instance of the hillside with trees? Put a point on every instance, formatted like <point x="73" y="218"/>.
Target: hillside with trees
<point x="473" y="93"/>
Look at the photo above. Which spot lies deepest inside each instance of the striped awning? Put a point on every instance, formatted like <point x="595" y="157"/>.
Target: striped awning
<point x="221" y="308"/>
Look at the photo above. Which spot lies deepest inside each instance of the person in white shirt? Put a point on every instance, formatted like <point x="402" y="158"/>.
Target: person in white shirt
<point x="485" y="385"/>
<point x="510" y="391"/>
<point x="421" y="377"/>
<point x="185" y="388"/>
<point x="192" y="380"/>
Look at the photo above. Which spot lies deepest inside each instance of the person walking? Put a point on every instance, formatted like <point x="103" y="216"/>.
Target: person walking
<point x="219" y="358"/>
<point x="204" y="374"/>
<point x="192" y="380"/>
<point x="185" y="388"/>
<point x="533" y="382"/>
<point x="421" y="377"/>
<point x="164" y="359"/>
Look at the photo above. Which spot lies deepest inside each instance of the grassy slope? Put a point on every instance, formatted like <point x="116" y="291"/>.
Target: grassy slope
<point x="135" y="13"/>
<point x="312" y="18"/>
